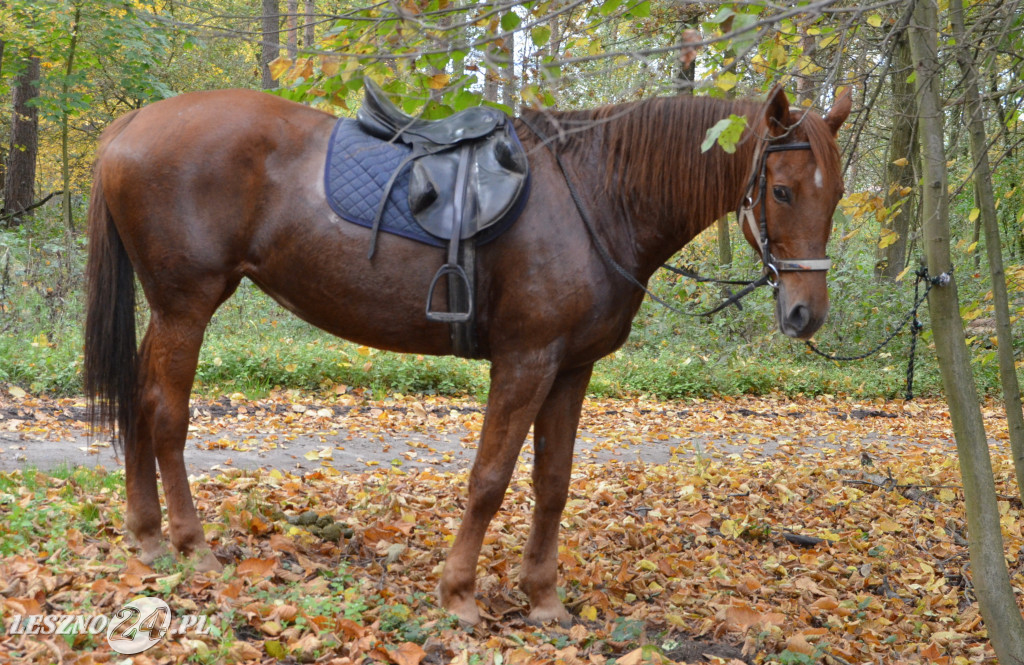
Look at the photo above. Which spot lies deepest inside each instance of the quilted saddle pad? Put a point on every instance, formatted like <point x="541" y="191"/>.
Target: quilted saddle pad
<point x="358" y="169"/>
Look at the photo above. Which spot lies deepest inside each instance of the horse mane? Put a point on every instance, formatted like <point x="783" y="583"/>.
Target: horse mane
<point x="654" y="164"/>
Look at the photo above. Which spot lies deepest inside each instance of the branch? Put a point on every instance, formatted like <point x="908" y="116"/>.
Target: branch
<point x="17" y="213"/>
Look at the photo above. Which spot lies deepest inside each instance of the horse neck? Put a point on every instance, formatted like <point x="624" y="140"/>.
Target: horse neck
<point x="657" y="177"/>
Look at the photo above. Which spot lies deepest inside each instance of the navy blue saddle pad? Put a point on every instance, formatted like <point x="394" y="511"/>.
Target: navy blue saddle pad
<point x="357" y="171"/>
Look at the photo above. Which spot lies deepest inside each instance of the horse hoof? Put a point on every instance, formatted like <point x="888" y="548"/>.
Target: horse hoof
<point x="205" y="562"/>
<point x="546" y="614"/>
<point x="149" y="554"/>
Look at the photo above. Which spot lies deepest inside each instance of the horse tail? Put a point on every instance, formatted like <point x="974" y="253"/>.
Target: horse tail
<point x="110" y="369"/>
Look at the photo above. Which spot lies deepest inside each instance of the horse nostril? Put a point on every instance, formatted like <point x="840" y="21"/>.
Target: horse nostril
<point x="799" y="317"/>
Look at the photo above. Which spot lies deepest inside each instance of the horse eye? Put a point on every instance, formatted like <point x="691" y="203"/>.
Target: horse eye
<point x="781" y="194"/>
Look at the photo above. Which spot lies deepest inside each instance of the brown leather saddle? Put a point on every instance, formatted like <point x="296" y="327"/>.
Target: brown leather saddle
<point x="469" y="173"/>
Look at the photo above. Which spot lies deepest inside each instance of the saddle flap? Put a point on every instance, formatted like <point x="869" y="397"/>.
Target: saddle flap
<point x="496" y="179"/>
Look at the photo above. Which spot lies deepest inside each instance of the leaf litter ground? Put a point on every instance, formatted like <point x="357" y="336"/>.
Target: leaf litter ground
<point x="733" y="530"/>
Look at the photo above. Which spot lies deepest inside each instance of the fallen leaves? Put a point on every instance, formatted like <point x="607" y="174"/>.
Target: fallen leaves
<point x="342" y="567"/>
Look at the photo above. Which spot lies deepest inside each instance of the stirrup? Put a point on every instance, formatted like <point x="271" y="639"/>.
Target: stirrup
<point x="454" y="270"/>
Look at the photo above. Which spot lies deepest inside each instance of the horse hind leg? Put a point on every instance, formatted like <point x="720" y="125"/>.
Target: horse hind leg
<point x="167" y="366"/>
<point x="554" y="437"/>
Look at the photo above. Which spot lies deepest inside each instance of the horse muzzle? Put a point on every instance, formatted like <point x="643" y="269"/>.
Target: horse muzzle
<point x="799" y="317"/>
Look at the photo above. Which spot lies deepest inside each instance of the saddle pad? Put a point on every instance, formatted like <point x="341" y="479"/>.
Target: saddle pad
<point x="358" y="169"/>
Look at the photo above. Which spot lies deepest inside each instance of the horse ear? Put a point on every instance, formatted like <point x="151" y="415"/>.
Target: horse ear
<point x="840" y="111"/>
<point x="776" y="114"/>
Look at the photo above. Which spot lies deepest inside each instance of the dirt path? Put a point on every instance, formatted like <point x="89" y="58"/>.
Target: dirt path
<point x="350" y="433"/>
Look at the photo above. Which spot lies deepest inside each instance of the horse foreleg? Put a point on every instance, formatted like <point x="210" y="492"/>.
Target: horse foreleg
<point x="515" y="396"/>
<point x="554" y="436"/>
<point x="170" y="354"/>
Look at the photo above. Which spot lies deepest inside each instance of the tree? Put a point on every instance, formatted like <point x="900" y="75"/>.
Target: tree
<point x="270" y="45"/>
<point x="901" y="163"/>
<point x="986" y="201"/>
<point x="988" y="563"/>
<point x="20" y="182"/>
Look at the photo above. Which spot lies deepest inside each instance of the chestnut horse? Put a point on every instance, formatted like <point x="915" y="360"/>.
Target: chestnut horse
<point x="196" y="192"/>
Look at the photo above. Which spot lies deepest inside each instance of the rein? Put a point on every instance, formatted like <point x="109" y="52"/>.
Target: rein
<point x="758" y="180"/>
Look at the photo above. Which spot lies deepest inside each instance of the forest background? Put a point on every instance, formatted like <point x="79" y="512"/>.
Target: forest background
<point x="68" y="68"/>
<point x="937" y="92"/>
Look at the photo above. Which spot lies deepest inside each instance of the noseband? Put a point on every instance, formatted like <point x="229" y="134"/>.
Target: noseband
<point x="759" y="230"/>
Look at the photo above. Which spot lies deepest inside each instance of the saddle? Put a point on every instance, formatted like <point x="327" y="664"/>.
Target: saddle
<point x="468" y="173"/>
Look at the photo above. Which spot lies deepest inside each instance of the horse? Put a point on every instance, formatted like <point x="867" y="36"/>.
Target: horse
<point x="194" y="193"/>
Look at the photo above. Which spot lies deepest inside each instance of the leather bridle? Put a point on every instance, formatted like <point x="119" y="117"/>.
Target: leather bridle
<point x="759" y="229"/>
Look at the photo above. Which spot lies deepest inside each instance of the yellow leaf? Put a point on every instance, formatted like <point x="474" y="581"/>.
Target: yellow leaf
<point x="727" y="81"/>
<point x="970" y="248"/>
<point x="329" y="65"/>
<point x="648" y="565"/>
<point x="364" y="350"/>
<point x="312" y="455"/>
<point x="290" y="367"/>
<point x="438" y="81"/>
<point x="279" y="66"/>
<point x="887" y="238"/>
<point x="589" y="612"/>
<point x="902" y="161"/>
<point x="875" y="21"/>
<point x="730" y="528"/>
<point x="16" y="392"/>
<point x="946" y="495"/>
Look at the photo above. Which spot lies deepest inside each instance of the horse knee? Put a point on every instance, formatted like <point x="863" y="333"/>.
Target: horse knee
<point x="487" y="491"/>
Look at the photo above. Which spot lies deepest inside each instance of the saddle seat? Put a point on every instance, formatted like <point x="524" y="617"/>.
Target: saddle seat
<point x="381" y="118"/>
<point x="468" y="173"/>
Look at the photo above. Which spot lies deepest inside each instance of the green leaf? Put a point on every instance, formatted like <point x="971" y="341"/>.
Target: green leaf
<point x="465" y="99"/>
<point x="610" y="6"/>
<point x="540" y="35"/>
<point x="641" y="10"/>
<point x="726" y="132"/>
<point x="510" y="21"/>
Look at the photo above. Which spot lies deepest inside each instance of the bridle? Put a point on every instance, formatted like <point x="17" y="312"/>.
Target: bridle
<point x="759" y="229"/>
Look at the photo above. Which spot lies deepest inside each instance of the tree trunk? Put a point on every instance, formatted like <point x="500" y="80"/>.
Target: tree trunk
<point x="292" y="20"/>
<point x="986" y="201"/>
<point x="985" y="541"/>
<point x="20" y="185"/>
<point x="3" y="148"/>
<point x="309" y="40"/>
<point x="270" y="47"/>
<point x="904" y="146"/>
<point x="804" y="82"/>
<point x="65" y="162"/>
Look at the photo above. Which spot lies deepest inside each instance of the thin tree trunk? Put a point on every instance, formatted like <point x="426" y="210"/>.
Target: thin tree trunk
<point x="986" y="201"/>
<point x="293" y="29"/>
<point x="20" y="185"/>
<point x="309" y="40"/>
<point x="3" y="148"/>
<point x="900" y="175"/>
<point x="65" y="162"/>
<point x="985" y="541"/>
<point x="804" y="82"/>
<point x="270" y="47"/>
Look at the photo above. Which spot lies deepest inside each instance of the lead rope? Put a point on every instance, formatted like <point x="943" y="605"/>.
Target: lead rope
<point x="911" y="317"/>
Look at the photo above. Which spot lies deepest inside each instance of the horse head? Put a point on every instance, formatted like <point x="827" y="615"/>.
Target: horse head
<point x="786" y="214"/>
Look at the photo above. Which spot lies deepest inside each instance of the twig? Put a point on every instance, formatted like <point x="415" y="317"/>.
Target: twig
<point x="11" y="215"/>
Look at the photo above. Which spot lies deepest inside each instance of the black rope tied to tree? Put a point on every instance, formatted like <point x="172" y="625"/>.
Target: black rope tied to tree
<point x="911" y="317"/>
